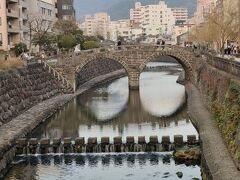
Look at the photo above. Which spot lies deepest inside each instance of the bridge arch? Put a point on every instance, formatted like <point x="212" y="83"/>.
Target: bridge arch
<point x="105" y="65"/>
<point x="185" y="62"/>
<point x="135" y="60"/>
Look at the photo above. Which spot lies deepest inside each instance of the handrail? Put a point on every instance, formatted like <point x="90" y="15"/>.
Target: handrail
<point x="227" y="65"/>
<point x="59" y="76"/>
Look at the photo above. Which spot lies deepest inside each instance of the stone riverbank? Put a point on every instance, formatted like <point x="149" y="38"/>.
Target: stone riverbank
<point x="23" y="124"/>
<point x="216" y="159"/>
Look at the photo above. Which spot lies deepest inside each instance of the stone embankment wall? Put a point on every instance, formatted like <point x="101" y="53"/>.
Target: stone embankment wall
<point x="96" y="68"/>
<point x="20" y="89"/>
<point x="220" y="92"/>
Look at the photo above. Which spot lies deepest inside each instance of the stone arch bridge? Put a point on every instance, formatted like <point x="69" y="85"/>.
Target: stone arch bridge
<point x="132" y="58"/>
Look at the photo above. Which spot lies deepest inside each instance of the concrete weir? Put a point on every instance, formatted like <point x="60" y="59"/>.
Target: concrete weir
<point x="92" y="145"/>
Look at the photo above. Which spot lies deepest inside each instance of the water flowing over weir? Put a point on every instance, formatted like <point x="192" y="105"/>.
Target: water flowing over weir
<point x="33" y="146"/>
<point x="110" y="126"/>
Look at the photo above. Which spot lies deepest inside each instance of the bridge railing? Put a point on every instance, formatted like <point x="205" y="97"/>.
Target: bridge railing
<point x="227" y="65"/>
<point x="64" y="81"/>
<point x="124" y="47"/>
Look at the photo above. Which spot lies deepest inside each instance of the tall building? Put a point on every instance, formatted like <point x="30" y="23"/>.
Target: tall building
<point x="154" y="19"/>
<point x="136" y="13"/>
<point x="204" y="8"/>
<point x="96" y="25"/>
<point x="180" y="14"/>
<point x="65" y="10"/>
<point x="14" y="18"/>
<point x="12" y="14"/>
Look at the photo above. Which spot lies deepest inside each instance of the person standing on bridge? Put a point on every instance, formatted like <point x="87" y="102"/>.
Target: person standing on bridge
<point x="158" y="43"/>
<point x="163" y="44"/>
<point x="119" y="43"/>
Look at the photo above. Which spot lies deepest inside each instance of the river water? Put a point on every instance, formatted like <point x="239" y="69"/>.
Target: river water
<point x="158" y="108"/>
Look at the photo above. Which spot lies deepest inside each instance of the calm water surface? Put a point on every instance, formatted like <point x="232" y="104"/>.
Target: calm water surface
<point x="112" y="110"/>
<point x="158" y="108"/>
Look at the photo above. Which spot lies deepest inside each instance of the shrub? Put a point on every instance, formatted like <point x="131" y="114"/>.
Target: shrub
<point x="90" y="45"/>
<point x="20" y="48"/>
<point x="67" y="41"/>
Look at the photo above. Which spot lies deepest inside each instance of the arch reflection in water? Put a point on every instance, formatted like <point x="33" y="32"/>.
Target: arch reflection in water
<point x="166" y="97"/>
<point x="106" y="102"/>
<point x="110" y="166"/>
<point x="111" y="110"/>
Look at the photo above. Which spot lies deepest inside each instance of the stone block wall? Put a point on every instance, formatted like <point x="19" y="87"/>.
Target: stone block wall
<point x="220" y="92"/>
<point x="96" y="68"/>
<point x="20" y="89"/>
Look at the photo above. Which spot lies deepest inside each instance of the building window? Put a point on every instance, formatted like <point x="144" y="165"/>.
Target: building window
<point x="43" y="10"/>
<point x="49" y="12"/>
<point x="0" y="39"/>
<point x="67" y="7"/>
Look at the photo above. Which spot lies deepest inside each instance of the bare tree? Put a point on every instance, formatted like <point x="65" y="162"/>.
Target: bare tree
<point x="221" y="25"/>
<point x="225" y="24"/>
<point x="36" y="24"/>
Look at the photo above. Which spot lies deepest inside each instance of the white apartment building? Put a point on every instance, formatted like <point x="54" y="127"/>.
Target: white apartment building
<point x="154" y="19"/>
<point x="96" y="25"/>
<point x="180" y="14"/>
<point x="136" y="13"/>
<point x="125" y="29"/>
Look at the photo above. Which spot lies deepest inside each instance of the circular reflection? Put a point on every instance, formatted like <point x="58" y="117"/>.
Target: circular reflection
<point x="107" y="102"/>
<point x="160" y="95"/>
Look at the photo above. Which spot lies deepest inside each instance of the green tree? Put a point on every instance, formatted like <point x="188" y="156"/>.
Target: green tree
<point x="20" y="48"/>
<point x="91" y="38"/>
<point x="44" y="40"/>
<point x="67" y="41"/>
<point x="66" y="27"/>
<point x="68" y="31"/>
<point x="101" y="38"/>
<point x="90" y="45"/>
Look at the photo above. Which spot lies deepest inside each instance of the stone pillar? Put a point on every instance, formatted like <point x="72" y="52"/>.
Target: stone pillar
<point x="133" y="80"/>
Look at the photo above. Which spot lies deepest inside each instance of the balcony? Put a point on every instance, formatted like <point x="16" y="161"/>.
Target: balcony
<point x="13" y="29"/>
<point x="12" y="13"/>
<point x="24" y="4"/>
<point x="12" y="1"/>
<point x="24" y="16"/>
<point x="25" y="29"/>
